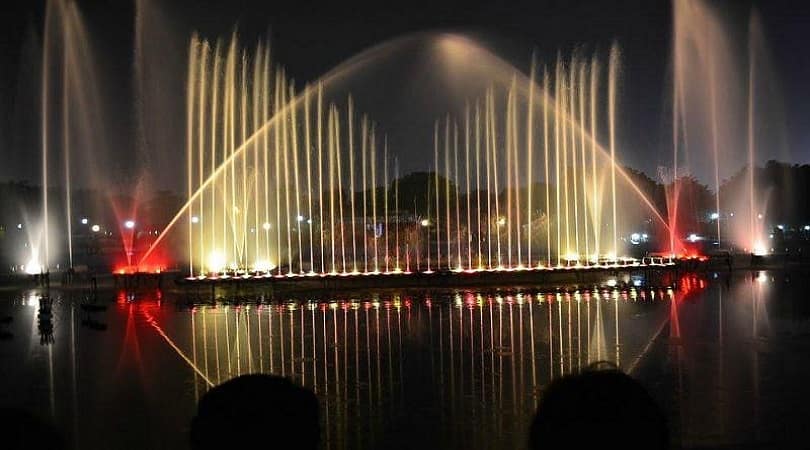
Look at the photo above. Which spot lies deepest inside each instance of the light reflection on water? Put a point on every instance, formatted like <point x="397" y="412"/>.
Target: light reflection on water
<point x="444" y="369"/>
<point x="483" y="358"/>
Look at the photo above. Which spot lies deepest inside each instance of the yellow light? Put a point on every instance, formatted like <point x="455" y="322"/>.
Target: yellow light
<point x="425" y="222"/>
<point x="501" y="221"/>
<point x="759" y="249"/>
<point x="263" y="266"/>
<point x="216" y="261"/>
<point x="33" y="266"/>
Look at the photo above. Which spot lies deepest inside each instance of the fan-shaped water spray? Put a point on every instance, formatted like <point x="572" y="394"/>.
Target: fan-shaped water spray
<point x="241" y="193"/>
<point x="718" y="87"/>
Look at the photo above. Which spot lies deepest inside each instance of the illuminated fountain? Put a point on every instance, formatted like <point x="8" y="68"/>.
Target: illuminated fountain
<point x="74" y="143"/>
<point x="538" y="131"/>
<point x="725" y="110"/>
<point x="287" y="182"/>
<point x="268" y="164"/>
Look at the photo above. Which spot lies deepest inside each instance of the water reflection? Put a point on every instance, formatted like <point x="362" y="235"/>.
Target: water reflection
<point x="479" y="358"/>
<point x="449" y="369"/>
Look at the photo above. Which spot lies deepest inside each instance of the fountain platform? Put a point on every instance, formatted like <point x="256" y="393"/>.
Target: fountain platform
<point x="612" y="274"/>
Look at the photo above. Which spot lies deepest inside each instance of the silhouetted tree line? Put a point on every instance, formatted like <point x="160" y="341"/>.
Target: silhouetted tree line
<point x="779" y="190"/>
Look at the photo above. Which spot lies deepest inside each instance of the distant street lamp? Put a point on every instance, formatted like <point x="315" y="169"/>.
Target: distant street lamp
<point x="95" y="228"/>
<point x="195" y="219"/>
<point x="129" y="224"/>
<point x="84" y="220"/>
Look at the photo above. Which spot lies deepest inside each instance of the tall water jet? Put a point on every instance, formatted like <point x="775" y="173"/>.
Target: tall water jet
<point x="717" y="88"/>
<point x="501" y="123"/>
<point x="613" y="73"/>
<point x="530" y="161"/>
<point x="46" y="39"/>
<point x="66" y="123"/>
<point x="72" y="129"/>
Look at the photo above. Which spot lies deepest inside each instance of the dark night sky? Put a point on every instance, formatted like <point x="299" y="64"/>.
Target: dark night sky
<point x="310" y="38"/>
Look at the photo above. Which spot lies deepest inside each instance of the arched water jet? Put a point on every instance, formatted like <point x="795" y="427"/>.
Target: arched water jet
<point x="267" y="127"/>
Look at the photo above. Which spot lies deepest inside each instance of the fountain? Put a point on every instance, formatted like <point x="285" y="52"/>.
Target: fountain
<point x="518" y="179"/>
<point x="717" y="91"/>
<point x="73" y="132"/>
<point x="512" y="244"/>
<point x="245" y="163"/>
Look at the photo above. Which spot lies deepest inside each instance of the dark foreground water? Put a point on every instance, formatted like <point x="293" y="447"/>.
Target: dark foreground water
<point x="728" y="357"/>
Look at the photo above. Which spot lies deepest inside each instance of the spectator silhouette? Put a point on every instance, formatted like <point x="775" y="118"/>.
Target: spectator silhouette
<point x="20" y="430"/>
<point x="256" y="411"/>
<point x="598" y="408"/>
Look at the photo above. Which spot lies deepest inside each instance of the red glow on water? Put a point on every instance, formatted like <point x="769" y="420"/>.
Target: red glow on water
<point x="688" y="286"/>
<point x="469" y="300"/>
<point x="130" y="356"/>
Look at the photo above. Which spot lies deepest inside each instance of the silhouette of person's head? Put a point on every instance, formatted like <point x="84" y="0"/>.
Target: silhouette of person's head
<point x="598" y="408"/>
<point x="256" y="410"/>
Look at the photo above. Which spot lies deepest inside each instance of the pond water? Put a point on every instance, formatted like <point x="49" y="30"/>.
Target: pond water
<point x="724" y="354"/>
